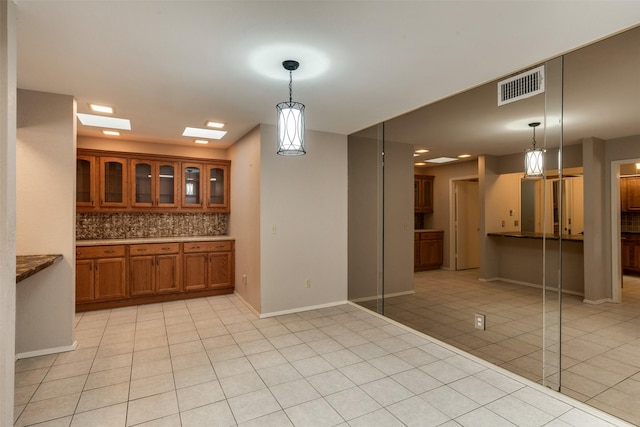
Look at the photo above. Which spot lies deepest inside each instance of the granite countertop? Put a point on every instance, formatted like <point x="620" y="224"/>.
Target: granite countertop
<point x="527" y="235"/>
<point x="28" y="265"/>
<point x="141" y="240"/>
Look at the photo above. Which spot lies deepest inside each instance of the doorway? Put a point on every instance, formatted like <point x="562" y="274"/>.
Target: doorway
<point x="466" y="224"/>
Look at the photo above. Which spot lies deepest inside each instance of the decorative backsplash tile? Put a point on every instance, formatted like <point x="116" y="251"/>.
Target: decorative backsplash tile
<point x="94" y="226"/>
<point x="630" y="222"/>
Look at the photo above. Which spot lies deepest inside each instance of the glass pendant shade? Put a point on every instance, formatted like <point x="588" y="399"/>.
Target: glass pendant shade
<point x="290" y="128"/>
<point x="533" y="162"/>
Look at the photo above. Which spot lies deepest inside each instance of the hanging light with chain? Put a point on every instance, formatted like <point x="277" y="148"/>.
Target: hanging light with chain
<point x="534" y="157"/>
<point x="290" y="120"/>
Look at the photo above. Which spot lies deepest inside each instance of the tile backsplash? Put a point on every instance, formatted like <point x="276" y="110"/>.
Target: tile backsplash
<point x="96" y="226"/>
<point x="630" y="222"/>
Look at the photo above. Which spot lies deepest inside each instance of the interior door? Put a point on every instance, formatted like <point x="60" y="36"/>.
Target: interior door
<point x="467" y="224"/>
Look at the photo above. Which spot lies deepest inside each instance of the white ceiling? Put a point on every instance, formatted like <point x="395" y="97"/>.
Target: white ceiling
<point x="169" y="64"/>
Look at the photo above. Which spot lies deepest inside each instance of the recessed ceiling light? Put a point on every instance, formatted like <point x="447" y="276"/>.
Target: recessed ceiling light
<point x="416" y="155"/>
<point x="441" y="160"/>
<point x="104" y="122"/>
<point x="420" y="164"/>
<point x="637" y="165"/>
<point x="464" y="156"/>
<point x="421" y="151"/>
<point x="216" y="125"/>
<point x="111" y="132"/>
<point x="101" y="108"/>
<point x="201" y="141"/>
<point x="204" y="133"/>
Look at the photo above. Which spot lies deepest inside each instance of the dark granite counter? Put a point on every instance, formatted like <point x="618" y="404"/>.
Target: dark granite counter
<point x="526" y="235"/>
<point x="28" y="265"/>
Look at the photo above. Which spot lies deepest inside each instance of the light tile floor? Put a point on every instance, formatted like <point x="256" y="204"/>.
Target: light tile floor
<point x="211" y="362"/>
<point x="600" y="343"/>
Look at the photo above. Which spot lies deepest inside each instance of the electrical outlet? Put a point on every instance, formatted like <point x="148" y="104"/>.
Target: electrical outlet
<point x="480" y="322"/>
<point x="244" y="279"/>
<point x="273" y="229"/>
<point x="503" y="224"/>
<point x="308" y="283"/>
<point x="515" y="223"/>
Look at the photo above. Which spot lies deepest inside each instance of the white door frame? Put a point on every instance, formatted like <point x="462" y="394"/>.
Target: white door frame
<point x="452" y="220"/>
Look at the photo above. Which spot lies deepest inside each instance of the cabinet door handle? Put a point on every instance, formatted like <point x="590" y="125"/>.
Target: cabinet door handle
<point x="195" y="247"/>
<point x="141" y="250"/>
<point x="219" y="246"/>
<point x="80" y="253"/>
<point x="166" y="249"/>
<point x="110" y="251"/>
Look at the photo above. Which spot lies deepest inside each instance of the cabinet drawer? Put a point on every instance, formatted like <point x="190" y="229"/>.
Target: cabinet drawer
<point x="430" y="235"/>
<point x="221" y="246"/>
<point x="88" y="252"/>
<point x="154" y="249"/>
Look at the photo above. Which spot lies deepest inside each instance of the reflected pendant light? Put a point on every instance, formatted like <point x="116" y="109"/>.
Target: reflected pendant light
<point x="534" y="157"/>
<point x="290" y="121"/>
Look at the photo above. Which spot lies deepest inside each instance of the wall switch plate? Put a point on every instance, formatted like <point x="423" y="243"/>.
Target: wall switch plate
<point x="480" y="322"/>
<point x="308" y="283"/>
<point x="244" y="279"/>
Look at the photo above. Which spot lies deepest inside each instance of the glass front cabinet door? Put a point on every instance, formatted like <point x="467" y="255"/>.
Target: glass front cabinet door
<point x="154" y="184"/>
<point x="192" y="185"/>
<point x="113" y="182"/>
<point x="86" y="181"/>
<point x="217" y="187"/>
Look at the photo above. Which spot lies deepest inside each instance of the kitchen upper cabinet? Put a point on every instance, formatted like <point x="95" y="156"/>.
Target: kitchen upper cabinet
<point x="126" y="182"/>
<point x="154" y="184"/>
<point x="630" y="193"/>
<point x="86" y="181"/>
<point x="423" y="193"/>
<point x="113" y="182"/>
<point x="217" y="177"/>
<point x="192" y="188"/>
<point x="100" y="273"/>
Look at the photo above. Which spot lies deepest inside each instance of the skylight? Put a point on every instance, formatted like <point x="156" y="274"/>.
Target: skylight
<point x="441" y="160"/>
<point x="204" y="133"/>
<point x="104" y="122"/>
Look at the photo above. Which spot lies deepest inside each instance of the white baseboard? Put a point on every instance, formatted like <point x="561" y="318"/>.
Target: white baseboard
<point x="395" y="294"/>
<point x="249" y="306"/>
<point x="531" y="285"/>
<point x="46" y="351"/>
<point x="301" y="309"/>
<point x="598" y="301"/>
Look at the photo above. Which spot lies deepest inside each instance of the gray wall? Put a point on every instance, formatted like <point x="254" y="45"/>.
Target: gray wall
<point x="364" y="217"/>
<point x="7" y="209"/>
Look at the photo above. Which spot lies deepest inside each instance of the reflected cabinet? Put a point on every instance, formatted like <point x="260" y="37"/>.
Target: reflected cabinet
<point x="136" y="182"/>
<point x="423" y="193"/>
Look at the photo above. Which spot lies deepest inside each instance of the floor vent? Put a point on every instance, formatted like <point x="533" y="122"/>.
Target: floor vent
<point x="522" y="86"/>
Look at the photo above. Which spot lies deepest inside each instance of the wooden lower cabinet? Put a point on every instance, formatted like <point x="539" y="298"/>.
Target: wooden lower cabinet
<point x="122" y="275"/>
<point x="156" y="271"/>
<point x="428" y="250"/>
<point x="630" y="255"/>
<point x="208" y="265"/>
<point x="100" y="273"/>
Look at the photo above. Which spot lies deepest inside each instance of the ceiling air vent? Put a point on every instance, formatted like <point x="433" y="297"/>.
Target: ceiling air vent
<point x="521" y="86"/>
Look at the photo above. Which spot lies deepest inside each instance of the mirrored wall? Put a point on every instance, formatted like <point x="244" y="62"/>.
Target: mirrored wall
<point x="538" y="275"/>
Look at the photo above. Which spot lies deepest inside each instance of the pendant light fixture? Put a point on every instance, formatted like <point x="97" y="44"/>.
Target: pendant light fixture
<point x="534" y="157"/>
<point x="290" y="120"/>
